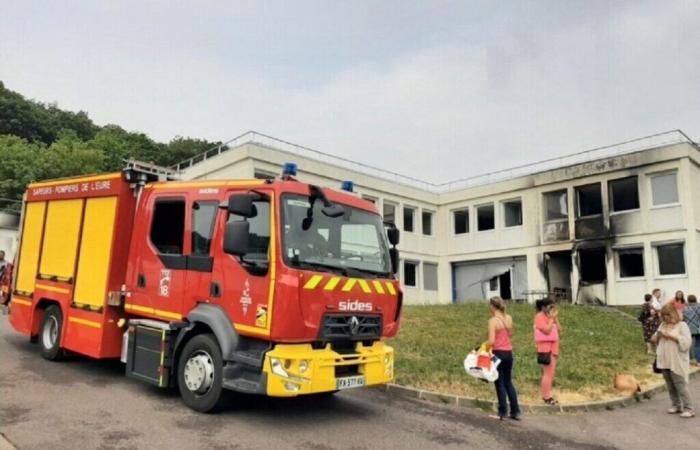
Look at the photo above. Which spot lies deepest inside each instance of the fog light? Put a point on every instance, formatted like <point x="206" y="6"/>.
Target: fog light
<point x="277" y="369"/>
<point x="303" y="366"/>
<point x="291" y="387"/>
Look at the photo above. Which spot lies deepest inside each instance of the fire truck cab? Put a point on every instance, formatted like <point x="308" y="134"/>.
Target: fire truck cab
<point x="273" y="287"/>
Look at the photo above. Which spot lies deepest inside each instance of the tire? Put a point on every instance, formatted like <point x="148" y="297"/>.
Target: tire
<point x="199" y="374"/>
<point x="50" y="334"/>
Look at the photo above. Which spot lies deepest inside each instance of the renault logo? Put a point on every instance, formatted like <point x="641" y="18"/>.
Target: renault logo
<point x="354" y="326"/>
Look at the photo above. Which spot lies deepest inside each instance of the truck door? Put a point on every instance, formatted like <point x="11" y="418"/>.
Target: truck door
<point x="158" y="276"/>
<point x="247" y="287"/>
<point x="200" y="263"/>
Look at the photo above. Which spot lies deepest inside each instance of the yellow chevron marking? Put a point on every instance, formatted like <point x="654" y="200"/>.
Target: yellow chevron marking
<point x="349" y="284"/>
<point x="390" y="288"/>
<point x="378" y="287"/>
<point x="365" y="286"/>
<point x="332" y="283"/>
<point x="313" y="282"/>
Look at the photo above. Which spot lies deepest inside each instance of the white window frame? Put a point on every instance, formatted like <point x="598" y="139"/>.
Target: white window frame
<point x="432" y="222"/>
<point x="618" y="268"/>
<point x="544" y="206"/>
<point x="657" y="273"/>
<point x="651" y="190"/>
<point x="437" y="275"/>
<point x="503" y="212"/>
<point x="476" y="217"/>
<point x="417" y="264"/>
<point x="468" y="209"/>
<point x="404" y="207"/>
<point x="611" y="202"/>
<point x="398" y="224"/>
<point x="578" y="203"/>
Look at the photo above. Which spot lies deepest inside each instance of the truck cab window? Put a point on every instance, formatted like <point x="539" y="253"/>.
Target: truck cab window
<point x="203" y="216"/>
<point x="259" y="237"/>
<point x="168" y="226"/>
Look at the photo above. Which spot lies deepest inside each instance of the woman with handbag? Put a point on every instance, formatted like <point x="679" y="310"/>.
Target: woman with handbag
<point x="500" y="334"/>
<point x="546" y="330"/>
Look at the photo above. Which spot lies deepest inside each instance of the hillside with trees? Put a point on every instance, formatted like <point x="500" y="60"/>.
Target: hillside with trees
<point x="40" y="141"/>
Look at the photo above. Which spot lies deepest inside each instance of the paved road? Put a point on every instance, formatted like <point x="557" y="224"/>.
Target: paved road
<point x="91" y="404"/>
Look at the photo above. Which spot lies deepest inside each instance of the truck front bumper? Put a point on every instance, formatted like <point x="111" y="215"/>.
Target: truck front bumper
<point x="299" y="369"/>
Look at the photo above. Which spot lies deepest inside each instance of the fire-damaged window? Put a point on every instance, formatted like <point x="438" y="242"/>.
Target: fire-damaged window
<point x="513" y="213"/>
<point x="624" y="195"/>
<point x="556" y="207"/>
<point x="671" y="258"/>
<point x="631" y="262"/>
<point x="664" y="189"/>
<point x="592" y="265"/>
<point x="168" y="226"/>
<point x="461" y="221"/>
<point x="409" y="273"/>
<point x="485" y="219"/>
<point x="588" y="200"/>
<point x="203" y="215"/>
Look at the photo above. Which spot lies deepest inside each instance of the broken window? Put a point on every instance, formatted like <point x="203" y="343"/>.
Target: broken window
<point x="389" y="213"/>
<point x="485" y="218"/>
<point x="461" y="221"/>
<point x="409" y="274"/>
<point x="430" y="277"/>
<point x="592" y="265"/>
<point x="203" y="215"/>
<point x="588" y="200"/>
<point x="624" y="195"/>
<point x="671" y="259"/>
<point x="664" y="189"/>
<point x="631" y="262"/>
<point x="513" y="213"/>
<point x="408" y="214"/>
<point x="556" y="207"/>
<point x="427" y="222"/>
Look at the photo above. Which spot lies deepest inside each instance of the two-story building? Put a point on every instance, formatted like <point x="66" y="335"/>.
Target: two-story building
<point x="605" y="225"/>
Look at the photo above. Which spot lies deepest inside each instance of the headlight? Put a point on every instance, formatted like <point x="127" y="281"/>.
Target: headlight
<point x="291" y="387"/>
<point x="277" y="368"/>
<point x="387" y="358"/>
<point x="303" y="366"/>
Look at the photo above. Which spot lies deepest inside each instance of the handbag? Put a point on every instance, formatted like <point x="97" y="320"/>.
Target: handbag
<point x="544" y="358"/>
<point x="654" y="367"/>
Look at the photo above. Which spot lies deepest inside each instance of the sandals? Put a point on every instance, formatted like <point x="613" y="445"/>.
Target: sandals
<point x="550" y="401"/>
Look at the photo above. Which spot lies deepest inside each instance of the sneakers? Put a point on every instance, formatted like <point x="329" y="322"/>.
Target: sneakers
<point x="687" y="414"/>
<point x="674" y="410"/>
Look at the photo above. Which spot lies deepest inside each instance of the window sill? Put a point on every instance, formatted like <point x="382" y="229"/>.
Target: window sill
<point x="671" y="277"/>
<point x="627" y="211"/>
<point x="492" y="230"/>
<point x="668" y="205"/>
<point x="512" y="227"/>
<point x="623" y="279"/>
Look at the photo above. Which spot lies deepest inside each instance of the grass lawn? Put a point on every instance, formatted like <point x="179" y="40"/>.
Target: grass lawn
<point x="596" y="344"/>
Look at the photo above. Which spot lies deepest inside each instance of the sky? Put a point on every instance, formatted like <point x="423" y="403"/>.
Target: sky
<point x="439" y="90"/>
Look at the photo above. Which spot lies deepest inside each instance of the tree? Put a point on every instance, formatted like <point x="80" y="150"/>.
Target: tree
<point x="181" y="148"/>
<point x="117" y="145"/>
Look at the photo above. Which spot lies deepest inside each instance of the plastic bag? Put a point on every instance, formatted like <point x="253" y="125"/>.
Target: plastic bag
<point x="482" y="364"/>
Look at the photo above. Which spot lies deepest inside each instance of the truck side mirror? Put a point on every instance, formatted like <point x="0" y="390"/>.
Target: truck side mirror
<point x="236" y="237"/>
<point x="393" y="235"/>
<point x="242" y="204"/>
<point x="394" y="256"/>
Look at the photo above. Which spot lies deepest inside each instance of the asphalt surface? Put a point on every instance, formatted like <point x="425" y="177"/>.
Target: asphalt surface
<point x="92" y="405"/>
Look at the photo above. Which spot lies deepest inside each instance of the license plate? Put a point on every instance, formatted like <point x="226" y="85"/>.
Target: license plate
<point x="349" y="382"/>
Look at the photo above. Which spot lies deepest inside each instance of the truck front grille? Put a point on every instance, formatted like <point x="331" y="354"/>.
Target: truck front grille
<point x="356" y="327"/>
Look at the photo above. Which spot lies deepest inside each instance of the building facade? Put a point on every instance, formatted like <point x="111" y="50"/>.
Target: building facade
<point x="602" y="226"/>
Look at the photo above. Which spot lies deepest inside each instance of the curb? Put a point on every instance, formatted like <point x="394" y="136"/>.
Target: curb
<point x="409" y="392"/>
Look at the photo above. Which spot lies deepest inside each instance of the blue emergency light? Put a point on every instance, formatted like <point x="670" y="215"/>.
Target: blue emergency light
<point x="289" y="169"/>
<point x="347" y="186"/>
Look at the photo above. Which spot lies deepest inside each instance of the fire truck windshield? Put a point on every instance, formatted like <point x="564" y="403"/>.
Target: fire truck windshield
<point x="355" y="241"/>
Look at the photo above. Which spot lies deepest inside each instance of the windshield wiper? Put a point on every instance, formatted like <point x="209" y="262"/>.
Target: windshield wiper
<point x="322" y="266"/>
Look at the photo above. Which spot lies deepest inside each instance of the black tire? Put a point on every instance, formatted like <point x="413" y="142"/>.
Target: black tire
<point x="211" y="398"/>
<point x="50" y="334"/>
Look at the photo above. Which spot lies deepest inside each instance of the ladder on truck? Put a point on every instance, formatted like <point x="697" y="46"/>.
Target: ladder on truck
<point x="139" y="171"/>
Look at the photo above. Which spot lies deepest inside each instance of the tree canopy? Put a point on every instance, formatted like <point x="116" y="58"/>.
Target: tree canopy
<point x="40" y="141"/>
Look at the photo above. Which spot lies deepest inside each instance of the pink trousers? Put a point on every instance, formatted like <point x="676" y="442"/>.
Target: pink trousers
<point x="548" y="378"/>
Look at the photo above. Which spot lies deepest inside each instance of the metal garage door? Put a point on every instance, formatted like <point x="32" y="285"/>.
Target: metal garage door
<point x="471" y="279"/>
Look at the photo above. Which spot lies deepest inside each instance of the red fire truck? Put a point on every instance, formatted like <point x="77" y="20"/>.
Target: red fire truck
<point x="273" y="287"/>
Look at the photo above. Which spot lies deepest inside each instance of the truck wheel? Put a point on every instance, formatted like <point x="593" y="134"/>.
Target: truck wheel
<point x="50" y="333"/>
<point x="199" y="374"/>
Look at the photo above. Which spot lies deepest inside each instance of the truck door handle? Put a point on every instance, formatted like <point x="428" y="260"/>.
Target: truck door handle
<point x="215" y="289"/>
<point x="141" y="280"/>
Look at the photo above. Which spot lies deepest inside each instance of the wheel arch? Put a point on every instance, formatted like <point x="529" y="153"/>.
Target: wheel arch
<point x="213" y="319"/>
<point x="38" y="314"/>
